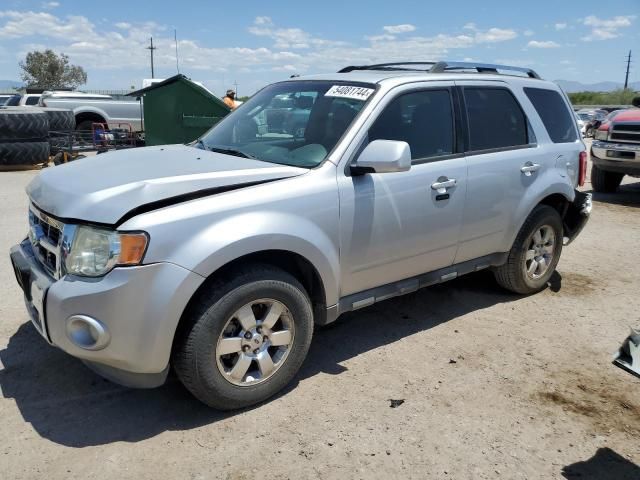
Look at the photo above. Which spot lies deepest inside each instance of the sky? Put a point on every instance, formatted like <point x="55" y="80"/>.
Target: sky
<point x="256" y="42"/>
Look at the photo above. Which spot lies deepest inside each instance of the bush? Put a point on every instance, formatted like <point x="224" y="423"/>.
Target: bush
<point x="616" y="97"/>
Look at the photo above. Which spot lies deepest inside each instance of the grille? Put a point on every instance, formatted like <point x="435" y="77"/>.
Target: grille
<point x="625" y="132"/>
<point x="627" y="127"/>
<point x="45" y="234"/>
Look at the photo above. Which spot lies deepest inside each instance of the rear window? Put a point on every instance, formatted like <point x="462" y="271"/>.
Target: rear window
<point x="495" y="119"/>
<point x="555" y="114"/>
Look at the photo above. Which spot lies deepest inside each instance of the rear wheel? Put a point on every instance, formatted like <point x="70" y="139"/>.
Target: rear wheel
<point x="603" y="181"/>
<point x="246" y="338"/>
<point x="534" y="254"/>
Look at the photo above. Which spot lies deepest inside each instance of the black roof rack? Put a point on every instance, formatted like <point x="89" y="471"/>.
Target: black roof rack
<point x="441" y="67"/>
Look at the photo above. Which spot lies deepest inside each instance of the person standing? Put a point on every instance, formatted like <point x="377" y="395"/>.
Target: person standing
<point x="230" y="99"/>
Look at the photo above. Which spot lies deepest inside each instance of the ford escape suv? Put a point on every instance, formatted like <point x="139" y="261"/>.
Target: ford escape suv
<point x="319" y="195"/>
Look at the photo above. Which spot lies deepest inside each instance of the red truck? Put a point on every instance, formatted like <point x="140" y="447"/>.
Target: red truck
<point x="615" y="151"/>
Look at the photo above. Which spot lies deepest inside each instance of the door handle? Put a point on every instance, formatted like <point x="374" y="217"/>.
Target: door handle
<point x="529" y="168"/>
<point x="442" y="184"/>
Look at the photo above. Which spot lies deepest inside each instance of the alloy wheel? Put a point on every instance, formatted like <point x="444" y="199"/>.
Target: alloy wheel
<point x="255" y="342"/>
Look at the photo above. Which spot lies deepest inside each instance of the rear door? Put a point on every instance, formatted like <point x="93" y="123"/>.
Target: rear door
<point x="504" y="162"/>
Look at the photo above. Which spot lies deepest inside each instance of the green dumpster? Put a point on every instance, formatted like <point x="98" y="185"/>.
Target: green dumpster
<point x="178" y="110"/>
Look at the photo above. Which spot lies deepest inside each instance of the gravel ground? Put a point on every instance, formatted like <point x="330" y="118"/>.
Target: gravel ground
<point x="494" y="385"/>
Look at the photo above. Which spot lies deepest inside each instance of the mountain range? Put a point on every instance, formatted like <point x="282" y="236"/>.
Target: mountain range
<point x="9" y="84"/>
<point x="570" y="86"/>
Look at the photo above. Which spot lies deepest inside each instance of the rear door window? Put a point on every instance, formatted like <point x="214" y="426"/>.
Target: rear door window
<point x="555" y="114"/>
<point x="495" y="118"/>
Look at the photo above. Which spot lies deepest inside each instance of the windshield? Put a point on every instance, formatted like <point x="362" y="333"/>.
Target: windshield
<point x="292" y="123"/>
<point x="13" y="101"/>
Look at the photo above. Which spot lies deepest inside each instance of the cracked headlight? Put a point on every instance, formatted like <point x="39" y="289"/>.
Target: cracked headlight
<point x="96" y="251"/>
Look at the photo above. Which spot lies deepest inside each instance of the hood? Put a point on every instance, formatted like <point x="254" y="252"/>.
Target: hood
<point x="631" y="115"/>
<point x="104" y="188"/>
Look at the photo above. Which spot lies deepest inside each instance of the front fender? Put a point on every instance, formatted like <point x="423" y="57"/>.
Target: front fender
<point x="250" y="232"/>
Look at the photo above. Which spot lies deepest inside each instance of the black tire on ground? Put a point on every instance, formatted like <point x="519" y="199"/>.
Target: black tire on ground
<point x="23" y="153"/>
<point x="513" y="274"/>
<point x="603" y="181"/>
<point x="194" y="357"/>
<point x="60" y="120"/>
<point x="23" y="124"/>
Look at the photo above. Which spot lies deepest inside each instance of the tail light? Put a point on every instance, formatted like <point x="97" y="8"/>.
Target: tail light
<point x="582" y="168"/>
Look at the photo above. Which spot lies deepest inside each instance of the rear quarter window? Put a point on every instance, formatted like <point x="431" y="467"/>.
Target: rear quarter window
<point x="555" y="115"/>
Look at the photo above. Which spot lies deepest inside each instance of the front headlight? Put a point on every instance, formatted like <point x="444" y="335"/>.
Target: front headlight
<point x="95" y="251"/>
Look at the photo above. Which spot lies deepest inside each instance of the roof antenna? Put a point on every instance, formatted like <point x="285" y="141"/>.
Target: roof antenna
<point x="175" y="39"/>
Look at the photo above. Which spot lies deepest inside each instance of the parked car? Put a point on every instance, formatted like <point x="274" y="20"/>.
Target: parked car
<point x="220" y="256"/>
<point x="90" y="108"/>
<point x="582" y="120"/>
<point x="22" y="100"/>
<point x="13" y="100"/>
<point x="592" y="119"/>
<point x="615" y="151"/>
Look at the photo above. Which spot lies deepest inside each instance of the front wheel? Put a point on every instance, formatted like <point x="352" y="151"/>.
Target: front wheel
<point x="534" y="254"/>
<point x="245" y="339"/>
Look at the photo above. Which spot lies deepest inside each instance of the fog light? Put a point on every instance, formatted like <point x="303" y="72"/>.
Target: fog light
<point x="87" y="333"/>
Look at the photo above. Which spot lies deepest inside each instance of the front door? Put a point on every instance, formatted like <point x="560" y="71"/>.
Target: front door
<point x="398" y="225"/>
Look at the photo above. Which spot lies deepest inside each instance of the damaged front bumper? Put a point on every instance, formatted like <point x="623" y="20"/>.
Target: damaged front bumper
<point x="628" y="356"/>
<point x="577" y="216"/>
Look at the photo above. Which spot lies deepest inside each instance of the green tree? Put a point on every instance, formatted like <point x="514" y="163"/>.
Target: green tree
<point x="50" y="71"/>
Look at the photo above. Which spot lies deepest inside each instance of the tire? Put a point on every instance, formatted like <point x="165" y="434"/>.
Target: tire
<point x="603" y="181"/>
<point x="213" y="318"/>
<point x="23" y="124"/>
<point x="23" y="153"/>
<point x="514" y="275"/>
<point x="60" y="120"/>
<point x="85" y="125"/>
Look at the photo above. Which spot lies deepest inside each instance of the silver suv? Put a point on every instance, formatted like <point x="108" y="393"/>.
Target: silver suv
<point x="320" y="195"/>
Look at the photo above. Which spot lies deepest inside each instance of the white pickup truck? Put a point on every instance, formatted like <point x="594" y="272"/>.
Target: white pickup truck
<point x="90" y="108"/>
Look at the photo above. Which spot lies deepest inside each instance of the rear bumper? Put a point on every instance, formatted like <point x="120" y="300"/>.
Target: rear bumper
<point x="616" y="157"/>
<point x="577" y="216"/>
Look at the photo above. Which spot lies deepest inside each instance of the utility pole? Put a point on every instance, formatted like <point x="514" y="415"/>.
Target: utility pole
<point x="175" y="39"/>
<point x="626" y="78"/>
<point x="152" y="48"/>
<point x="235" y="84"/>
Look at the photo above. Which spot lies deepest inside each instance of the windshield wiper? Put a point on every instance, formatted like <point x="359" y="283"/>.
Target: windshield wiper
<point x="230" y="151"/>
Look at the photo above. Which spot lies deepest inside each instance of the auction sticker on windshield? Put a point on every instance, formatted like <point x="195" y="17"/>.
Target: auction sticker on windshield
<point x="349" y="91"/>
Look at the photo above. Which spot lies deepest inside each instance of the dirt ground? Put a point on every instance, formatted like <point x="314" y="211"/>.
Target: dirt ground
<point x="494" y="385"/>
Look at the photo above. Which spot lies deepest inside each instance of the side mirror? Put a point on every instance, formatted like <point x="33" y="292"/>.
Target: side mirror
<point x="383" y="156"/>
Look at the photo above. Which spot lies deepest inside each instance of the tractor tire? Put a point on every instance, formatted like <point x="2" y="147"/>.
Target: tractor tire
<point x="23" y="124"/>
<point x="60" y="120"/>
<point x="19" y="154"/>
